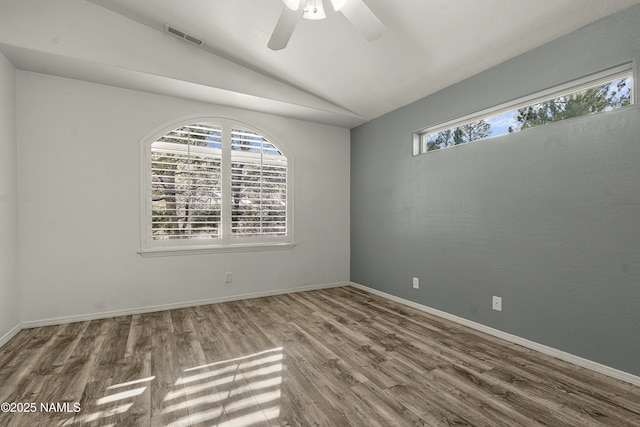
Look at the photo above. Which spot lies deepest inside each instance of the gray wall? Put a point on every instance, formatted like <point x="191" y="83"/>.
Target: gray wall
<point x="9" y="317"/>
<point x="548" y="219"/>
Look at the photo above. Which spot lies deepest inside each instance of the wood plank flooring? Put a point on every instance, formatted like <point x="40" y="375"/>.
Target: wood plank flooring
<point x="335" y="357"/>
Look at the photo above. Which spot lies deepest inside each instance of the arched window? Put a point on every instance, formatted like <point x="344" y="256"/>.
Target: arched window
<point x="217" y="185"/>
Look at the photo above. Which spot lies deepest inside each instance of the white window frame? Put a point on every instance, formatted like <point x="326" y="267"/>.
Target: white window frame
<point x="626" y="69"/>
<point x="227" y="243"/>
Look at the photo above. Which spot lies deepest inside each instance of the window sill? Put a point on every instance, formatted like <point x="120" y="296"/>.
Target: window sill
<point x="191" y="250"/>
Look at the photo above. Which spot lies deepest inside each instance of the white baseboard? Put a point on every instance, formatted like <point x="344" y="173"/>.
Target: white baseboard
<point x="12" y="332"/>
<point x="559" y="354"/>
<point x="163" y="307"/>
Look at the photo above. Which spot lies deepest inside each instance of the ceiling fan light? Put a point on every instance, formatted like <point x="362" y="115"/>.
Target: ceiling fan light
<point x="292" y="4"/>
<point x="337" y="4"/>
<point x="314" y="10"/>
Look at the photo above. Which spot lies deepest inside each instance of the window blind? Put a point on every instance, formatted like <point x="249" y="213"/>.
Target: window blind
<point x="258" y="186"/>
<point x="186" y="183"/>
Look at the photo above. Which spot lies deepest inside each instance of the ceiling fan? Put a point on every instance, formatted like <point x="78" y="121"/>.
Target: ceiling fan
<point x="355" y="11"/>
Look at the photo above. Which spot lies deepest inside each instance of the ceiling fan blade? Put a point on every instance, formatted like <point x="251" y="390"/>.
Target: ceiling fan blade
<point x="363" y="19"/>
<point x="284" y="28"/>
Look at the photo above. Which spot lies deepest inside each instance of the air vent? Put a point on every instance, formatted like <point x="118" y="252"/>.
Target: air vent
<point x="182" y="35"/>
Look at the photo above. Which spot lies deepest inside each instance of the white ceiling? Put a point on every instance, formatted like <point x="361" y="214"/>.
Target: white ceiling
<point x="328" y="73"/>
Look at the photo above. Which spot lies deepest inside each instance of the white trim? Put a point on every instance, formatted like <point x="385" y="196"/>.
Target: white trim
<point x="417" y="137"/>
<point x="191" y="250"/>
<point x="225" y="211"/>
<point x="559" y="354"/>
<point x="12" y="333"/>
<point x="173" y="306"/>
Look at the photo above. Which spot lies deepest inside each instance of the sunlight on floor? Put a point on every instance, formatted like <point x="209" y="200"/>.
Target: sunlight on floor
<point x="240" y="392"/>
<point x="129" y="383"/>
<point x="94" y="416"/>
<point x="117" y="407"/>
<point x="120" y="396"/>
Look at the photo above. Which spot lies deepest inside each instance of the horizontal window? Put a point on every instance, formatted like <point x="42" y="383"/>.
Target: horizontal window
<point x="602" y="92"/>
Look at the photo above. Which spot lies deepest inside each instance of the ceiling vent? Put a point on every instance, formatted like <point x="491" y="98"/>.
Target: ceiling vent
<point x="182" y="35"/>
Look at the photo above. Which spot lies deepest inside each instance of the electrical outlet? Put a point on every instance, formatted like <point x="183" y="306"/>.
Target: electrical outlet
<point x="497" y="303"/>
<point x="416" y="283"/>
<point x="228" y="277"/>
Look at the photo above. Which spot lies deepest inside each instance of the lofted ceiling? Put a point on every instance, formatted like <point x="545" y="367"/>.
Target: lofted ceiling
<point x="328" y="72"/>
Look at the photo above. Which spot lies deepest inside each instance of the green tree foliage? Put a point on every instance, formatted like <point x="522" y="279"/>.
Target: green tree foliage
<point x="473" y="131"/>
<point x="593" y="100"/>
<point x="186" y="187"/>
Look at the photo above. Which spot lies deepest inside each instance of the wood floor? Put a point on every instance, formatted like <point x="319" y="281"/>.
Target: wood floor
<point x="335" y="357"/>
